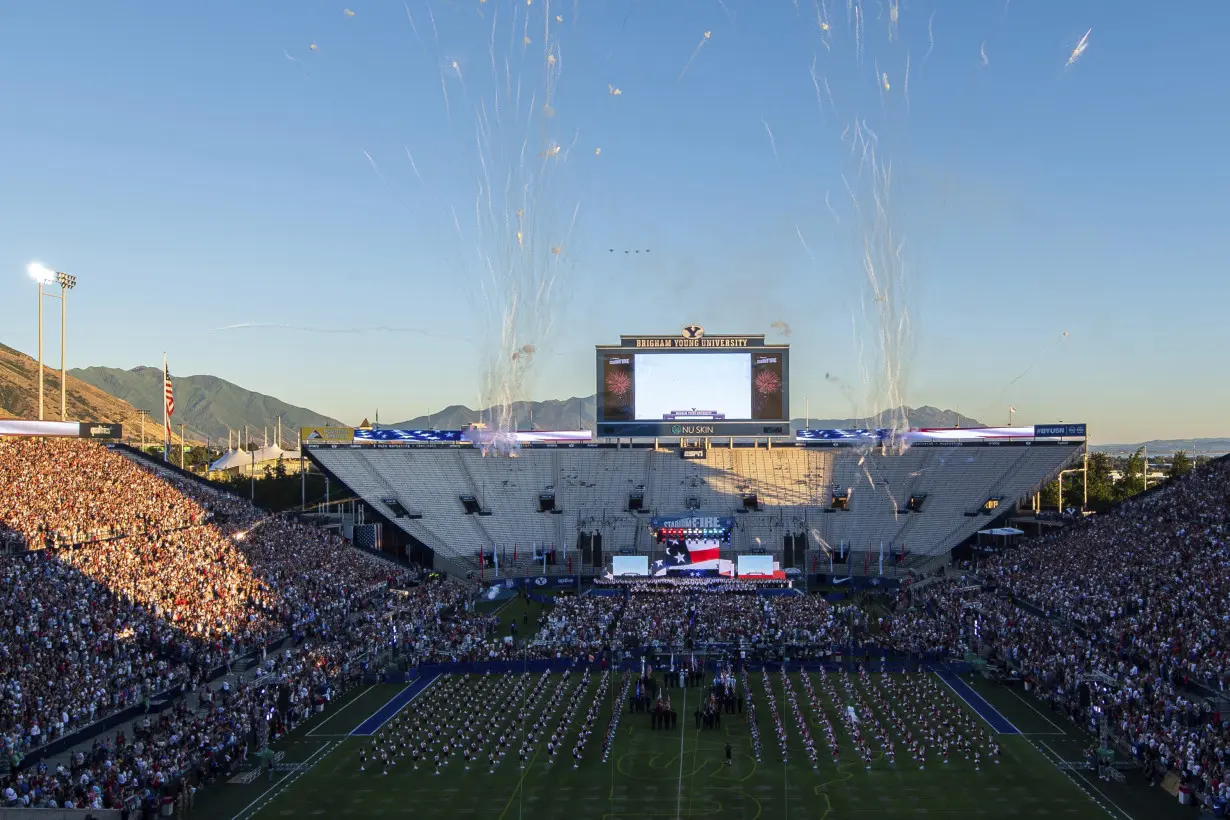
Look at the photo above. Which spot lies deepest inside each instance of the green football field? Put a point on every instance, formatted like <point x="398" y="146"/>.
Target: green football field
<point x="682" y="773"/>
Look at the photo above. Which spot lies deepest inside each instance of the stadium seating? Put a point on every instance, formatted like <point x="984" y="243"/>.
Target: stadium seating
<point x="1143" y="593"/>
<point x="157" y="581"/>
<point x="183" y="578"/>
<point x="793" y="487"/>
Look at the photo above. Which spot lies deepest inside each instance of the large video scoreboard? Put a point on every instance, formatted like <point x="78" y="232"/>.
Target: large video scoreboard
<point x="693" y="385"/>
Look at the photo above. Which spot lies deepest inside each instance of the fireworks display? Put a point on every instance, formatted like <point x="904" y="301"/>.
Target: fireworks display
<point x="527" y="133"/>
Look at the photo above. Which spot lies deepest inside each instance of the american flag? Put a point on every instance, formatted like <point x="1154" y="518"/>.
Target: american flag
<point x="169" y="397"/>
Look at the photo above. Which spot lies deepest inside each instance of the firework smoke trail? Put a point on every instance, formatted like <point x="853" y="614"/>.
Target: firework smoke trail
<point x="413" y="165"/>
<point x="383" y="179"/>
<point x="907" y="81"/>
<point x="435" y="33"/>
<point x="803" y="242"/>
<point x="884" y="266"/>
<point x="1041" y="356"/>
<point x="829" y="205"/>
<point x="696" y="51"/>
<point x="410" y="17"/>
<point x="1079" y="50"/>
<point x="815" y="81"/>
<point x="930" y="36"/>
<point x="523" y="218"/>
<point x="772" y="141"/>
<point x="882" y="329"/>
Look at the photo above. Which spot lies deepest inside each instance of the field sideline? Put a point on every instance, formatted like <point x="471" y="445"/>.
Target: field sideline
<point x="681" y="773"/>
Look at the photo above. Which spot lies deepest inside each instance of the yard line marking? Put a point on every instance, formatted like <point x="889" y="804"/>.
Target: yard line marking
<point x="682" y="734"/>
<point x="289" y="776"/>
<point x="312" y="732"/>
<point x="975" y="709"/>
<point x="521" y="780"/>
<point x="1071" y="772"/>
<point x="1038" y="712"/>
<point x="359" y="730"/>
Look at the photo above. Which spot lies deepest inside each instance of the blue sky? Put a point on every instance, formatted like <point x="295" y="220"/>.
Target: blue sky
<point x="199" y="166"/>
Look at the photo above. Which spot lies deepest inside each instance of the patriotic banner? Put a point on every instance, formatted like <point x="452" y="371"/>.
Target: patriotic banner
<point x="689" y="556"/>
<point x="168" y="409"/>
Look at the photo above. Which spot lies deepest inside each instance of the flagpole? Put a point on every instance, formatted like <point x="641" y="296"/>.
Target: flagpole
<point x="166" y="420"/>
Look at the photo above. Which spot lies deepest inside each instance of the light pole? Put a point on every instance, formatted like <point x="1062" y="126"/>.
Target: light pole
<point x="141" y="414"/>
<point x="45" y="276"/>
<point x="66" y="283"/>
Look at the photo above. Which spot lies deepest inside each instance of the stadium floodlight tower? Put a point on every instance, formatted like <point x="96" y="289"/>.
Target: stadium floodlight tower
<point x="45" y="276"/>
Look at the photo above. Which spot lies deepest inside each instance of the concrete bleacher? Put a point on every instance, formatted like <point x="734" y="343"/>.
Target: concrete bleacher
<point x="793" y="487"/>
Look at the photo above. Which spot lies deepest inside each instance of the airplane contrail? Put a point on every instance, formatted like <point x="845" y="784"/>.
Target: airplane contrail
<point x="354" y="330"/>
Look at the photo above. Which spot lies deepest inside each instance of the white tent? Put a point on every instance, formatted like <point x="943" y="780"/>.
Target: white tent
<point x="271" y="452"/>
<point x="232" y="460"/>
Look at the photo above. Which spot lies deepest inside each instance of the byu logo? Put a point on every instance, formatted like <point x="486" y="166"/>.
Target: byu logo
<point x="542" y="582"/>
<point x="693" y="332"/>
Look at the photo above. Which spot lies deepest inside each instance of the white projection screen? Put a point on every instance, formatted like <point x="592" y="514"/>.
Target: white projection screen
<point x="672" y="383"/>
<point x="755" y="565"/>
<point x="629" y="565"/>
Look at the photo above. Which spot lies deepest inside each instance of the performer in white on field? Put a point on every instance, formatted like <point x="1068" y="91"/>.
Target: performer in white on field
<point x="853" y="715"/>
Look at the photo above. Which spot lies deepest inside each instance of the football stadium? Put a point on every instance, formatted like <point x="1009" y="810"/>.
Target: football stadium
<point x="791" y="410"/>
<point x="690" y="610"/>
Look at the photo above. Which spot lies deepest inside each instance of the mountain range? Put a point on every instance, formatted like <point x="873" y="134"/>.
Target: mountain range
<point x="578" y="414"/>
<point x="209" y="407"/>
<point x="1169" y="446"/>
<point x="212" y="407"/>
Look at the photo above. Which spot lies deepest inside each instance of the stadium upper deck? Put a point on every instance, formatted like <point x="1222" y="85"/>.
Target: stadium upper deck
<point x="833" y="496"/>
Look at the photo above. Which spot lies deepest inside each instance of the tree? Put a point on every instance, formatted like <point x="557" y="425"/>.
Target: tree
<point x="1050" y="495"/>
<point x="1180" y="465"/>
<point x="1101" y="485"/>
<point x="1133" y="480"/>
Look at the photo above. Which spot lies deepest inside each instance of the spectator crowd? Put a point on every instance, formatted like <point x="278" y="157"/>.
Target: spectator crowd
<point x="1128" y="614"/>
<point x="136" y="584"/>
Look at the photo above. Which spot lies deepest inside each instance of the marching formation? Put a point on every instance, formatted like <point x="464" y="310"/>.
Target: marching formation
<point x="477" y="721"/>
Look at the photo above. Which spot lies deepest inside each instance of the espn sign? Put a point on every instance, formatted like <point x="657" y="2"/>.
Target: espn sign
<point x="692" y="453"/>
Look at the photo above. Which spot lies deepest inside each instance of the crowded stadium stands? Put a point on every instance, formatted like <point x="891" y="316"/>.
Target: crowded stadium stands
<point x="133" y="585"/>
<point x="124" y="609"/>
<point x="1140" y="597"/>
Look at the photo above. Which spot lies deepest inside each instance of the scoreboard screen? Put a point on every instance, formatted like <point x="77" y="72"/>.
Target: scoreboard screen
<point x="658" y="386"/>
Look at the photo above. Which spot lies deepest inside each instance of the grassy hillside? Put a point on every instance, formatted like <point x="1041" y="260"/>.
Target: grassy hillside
<point x="85" y="402"/>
